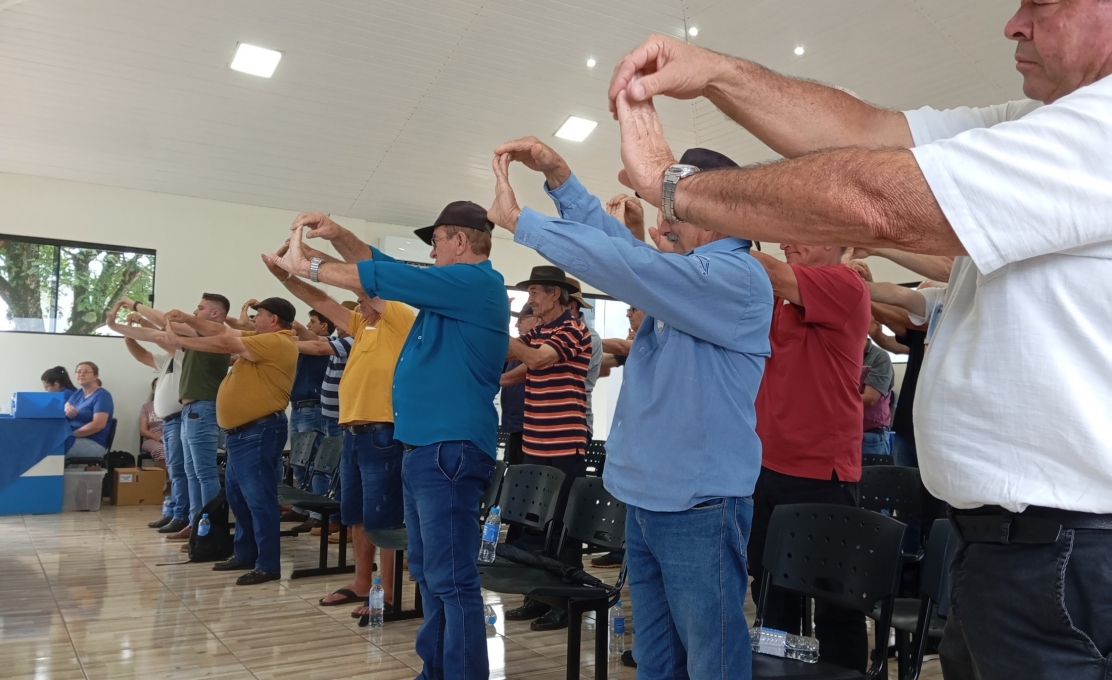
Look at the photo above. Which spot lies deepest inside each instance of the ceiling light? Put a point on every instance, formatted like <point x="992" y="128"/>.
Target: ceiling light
<point x="799" y="51"/>
<point x="693" y="31"/>
<point x="258" y="61"/>
<point x="591" y="63"/>
<point x="576" y="129"/>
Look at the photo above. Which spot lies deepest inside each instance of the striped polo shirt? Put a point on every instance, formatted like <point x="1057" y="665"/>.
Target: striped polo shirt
<point x="330" y="388"/>
<point x="555" y="422"/>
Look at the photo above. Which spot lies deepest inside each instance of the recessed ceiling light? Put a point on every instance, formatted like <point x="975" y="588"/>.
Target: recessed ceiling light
<point x="576" y="129"/>
<point x="258" y="61"/>
<point x="693" y="31"/>
<point x="591" y="63"/>
<point x="799" y="51"/>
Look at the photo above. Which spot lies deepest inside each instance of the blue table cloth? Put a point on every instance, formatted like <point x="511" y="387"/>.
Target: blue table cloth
<point x="26" y="441"/>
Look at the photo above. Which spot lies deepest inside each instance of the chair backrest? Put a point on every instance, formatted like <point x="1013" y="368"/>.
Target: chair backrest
<point x="595" y="457"/>
<point x="529" y="494"/>
<point x="301" y="447"/>
<point x="328" y="456"/>
<point x="594" y="516"/>
<point x="490" y="498"/>
<point x="892" y="488"/>
<point x="934" y="580"/>
<point x="503" y="438"/>
<point x="874" y="459"/>
<point x="111" y="434"/>
<point x="841" y="554"/>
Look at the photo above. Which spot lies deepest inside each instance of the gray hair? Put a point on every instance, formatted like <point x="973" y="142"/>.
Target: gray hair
<point x="565" y="296"/>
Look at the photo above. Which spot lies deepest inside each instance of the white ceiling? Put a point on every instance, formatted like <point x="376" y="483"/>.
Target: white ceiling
<point x="387" y="110"/>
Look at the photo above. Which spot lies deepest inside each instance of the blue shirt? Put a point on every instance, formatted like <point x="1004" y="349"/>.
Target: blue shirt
<point x="448" y="371"/>
<point x="684" y="428"/>
<point x="99" y="401"/>
<point x="310" y="374"/>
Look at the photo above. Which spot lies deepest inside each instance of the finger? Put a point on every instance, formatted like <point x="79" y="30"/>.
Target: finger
<point x="636" y="61"/>
<point x="623" y="177"/>
<point x="514" y="146"/>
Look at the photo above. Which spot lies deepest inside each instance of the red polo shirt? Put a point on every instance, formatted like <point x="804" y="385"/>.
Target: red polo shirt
<point x="809" y="408"/>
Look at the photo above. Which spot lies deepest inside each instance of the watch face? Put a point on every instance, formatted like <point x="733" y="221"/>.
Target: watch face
<point x="680" y="169"/>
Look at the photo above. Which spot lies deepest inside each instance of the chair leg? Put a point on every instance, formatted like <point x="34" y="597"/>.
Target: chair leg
<point x="575" y="633"/>
<point x="602" y="642"/>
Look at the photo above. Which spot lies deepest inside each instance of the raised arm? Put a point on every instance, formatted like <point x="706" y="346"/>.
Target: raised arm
<point x="784" y="282"/>
<point x="216" y="344"/>
<point x="201" y="327"/>
<point x="141" y="354"/>
<point x="311" y="295"/>
<point x="934" y="267"/>
<point x="130" y="331"/>
<point x="535" y="358"/>
<point x="317" y="348"/>
<point x="891" y="294"/>
<point x="348" y="245"/>
<point x="885" y="341"/>
<point x="617" y="345"/>
<point x="515" y="375"/>
<point x="157" y="318"/>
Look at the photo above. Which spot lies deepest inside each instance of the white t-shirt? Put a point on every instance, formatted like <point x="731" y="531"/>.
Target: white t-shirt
<point x="1014" y="404"/>
<point x="166" y="391"/>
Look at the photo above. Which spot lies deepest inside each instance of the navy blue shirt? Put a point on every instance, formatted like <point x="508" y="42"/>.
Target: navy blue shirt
<point x="100" y="401"/>
<point x="308" y="379"/>
<point x="513" y="402"/>
<point x="447" y="375"/>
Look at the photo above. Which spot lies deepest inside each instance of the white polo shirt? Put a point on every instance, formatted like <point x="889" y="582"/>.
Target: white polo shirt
<point x="166" y="391"/>
<point x="1014" y="403"/>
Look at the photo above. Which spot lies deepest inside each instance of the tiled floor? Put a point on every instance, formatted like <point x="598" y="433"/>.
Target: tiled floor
<point x="89" y="595"/>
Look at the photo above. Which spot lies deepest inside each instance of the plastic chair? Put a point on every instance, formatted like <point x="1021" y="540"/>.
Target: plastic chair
<point x="874" y="459"/>
<point x="843" y="555"/>
<point x="90" y="460"/>
<point x="328" y="464"/>
<point x="301" y="452"/>
<point x="595" y="457"/>
<point x="897" y="490"/>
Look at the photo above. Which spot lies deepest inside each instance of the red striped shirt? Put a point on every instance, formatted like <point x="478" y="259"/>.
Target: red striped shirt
<point x="555" y="422"/>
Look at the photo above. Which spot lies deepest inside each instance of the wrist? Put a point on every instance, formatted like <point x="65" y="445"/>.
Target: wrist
<point x="556" y="177"/>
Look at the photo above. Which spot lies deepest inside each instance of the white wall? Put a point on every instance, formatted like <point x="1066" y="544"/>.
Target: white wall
<point x="202" y="246"/>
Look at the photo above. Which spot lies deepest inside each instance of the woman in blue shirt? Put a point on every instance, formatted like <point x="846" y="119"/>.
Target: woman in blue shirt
<point x="57" y="379"/>
<point x="89" y="410"/>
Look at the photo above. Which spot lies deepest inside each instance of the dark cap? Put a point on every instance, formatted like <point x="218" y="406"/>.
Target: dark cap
<point x="458" y="214"/>
<point x="546" y="275"/>
<point x="705" y="159"/>
<point x="279" y="307"/>
<point x="526" y="310"/>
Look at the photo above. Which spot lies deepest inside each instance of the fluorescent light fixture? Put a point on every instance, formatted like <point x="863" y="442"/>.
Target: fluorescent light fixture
<point x="693" y="31"/>
<point x="799" y="51"/>
<point x="576" y="129"/>
<point x="258" y="61"/>
<point x="591" y="62"/>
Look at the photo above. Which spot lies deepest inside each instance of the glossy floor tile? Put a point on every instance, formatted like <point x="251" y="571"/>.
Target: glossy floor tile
<point x="87" y="596"/>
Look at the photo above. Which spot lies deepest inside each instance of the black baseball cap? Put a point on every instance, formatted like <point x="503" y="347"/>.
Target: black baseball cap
<point x="458" y="214"/>
<point x="526" y="310"/>
<point x="279" y="307"/>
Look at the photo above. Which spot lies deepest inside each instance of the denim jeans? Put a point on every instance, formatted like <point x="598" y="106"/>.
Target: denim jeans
<point x="687" y="581"/>
<point x="875" y="443"/>
<point x="83" y="447"/>
<point x="305" y="419"/>
<point x="252" y="490"/>
<point x="199" y="436"/>
<point x="175" y="468"/>
<point x="443" y="486"/>
<point x="1037" y="612"/>
<point x="371" y="470"/>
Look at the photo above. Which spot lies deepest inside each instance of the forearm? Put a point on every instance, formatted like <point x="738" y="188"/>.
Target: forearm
<point x="888" y="343"/>
<point x="351" y="247"/>
<point x="134" y="332"/>
<point x="136" y="350"/>
<point x="796" y="117"/>
<point x="217" y="344"/>
<point x="616" y="346"/>
<point x="344" y="276"/>
<point x="934" y="267"/>
<point x="514" y="376"/>
<point x="905" y="298"/>
<point x="204" y="327"/>
<point x="874" y="199"/>
<point x="151" y="314"/>
<point x="534" y="358"/>
<point x="88" y="429"/>
<point x="317" y="348"/>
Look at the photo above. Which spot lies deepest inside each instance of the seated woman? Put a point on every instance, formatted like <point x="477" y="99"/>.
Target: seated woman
<point x="150" y="428"/>
<point x="89" y="410"/>
<point x="57" y="379"/>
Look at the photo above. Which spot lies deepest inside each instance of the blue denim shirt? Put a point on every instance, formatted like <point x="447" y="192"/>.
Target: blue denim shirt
<point x="447" y="374"/>
<point x="684" y="428"/>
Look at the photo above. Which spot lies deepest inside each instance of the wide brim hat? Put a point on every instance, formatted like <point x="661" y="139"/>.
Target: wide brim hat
<point x="547" y="275"/>
<point x="578" y="294"/>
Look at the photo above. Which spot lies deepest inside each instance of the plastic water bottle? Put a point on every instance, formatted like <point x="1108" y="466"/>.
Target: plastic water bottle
<point x="204" y="525"/>
<point x="802" y="648"/>
<point x="376" y="602"/>
<point x="778" y="643"/>
<point x="490" y="617"/>
<point x="489" y="549"/>
<point x="166" y="507"/>
<point x="617" y="630"/>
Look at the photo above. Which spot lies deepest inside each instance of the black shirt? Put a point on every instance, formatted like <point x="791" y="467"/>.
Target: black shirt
<point x="513" y="402"/>
<point x="902" y="422"/>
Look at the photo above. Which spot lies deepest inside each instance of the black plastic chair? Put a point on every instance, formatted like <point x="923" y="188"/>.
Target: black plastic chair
<point x="843" y="555"/>
<point x="897" y="490"/>
<point x="328" y="464"/>
<point x="301" y="452"/>
<point x="595" y="457"/>
<point x="594" y="517"/>
<point x="92" y="460"/>
<point x="875" y="459"/>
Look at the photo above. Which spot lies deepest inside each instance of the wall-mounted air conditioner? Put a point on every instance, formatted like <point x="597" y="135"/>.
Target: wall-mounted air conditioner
<point x="407" y="249"/>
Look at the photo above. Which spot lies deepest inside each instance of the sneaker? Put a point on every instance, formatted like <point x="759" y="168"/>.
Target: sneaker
<point x="627" y="659"/>
<point x="182" y="535"/>
<point x="161" y="522"/>
<point x="608" y="561"/>
<point x="530" y="609"/>
<point x="173" y="526"/>
<point x="231" y="564"/>
<point x="255" y="576"/>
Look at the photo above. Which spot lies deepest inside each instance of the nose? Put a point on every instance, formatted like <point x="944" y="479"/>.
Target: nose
<point x="1019" y="28"/>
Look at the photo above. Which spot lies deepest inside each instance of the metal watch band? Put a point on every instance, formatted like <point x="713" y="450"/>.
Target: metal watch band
<point x="314" y="269"/>
<point x="672" y="176"/>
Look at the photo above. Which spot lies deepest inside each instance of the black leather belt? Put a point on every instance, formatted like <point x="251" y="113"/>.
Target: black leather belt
<point x="407" y="447"/>
<point x="366" y="427"/>
<point x="304" y="403"/>
<point x="877" y="430"/>
<point x="172" y="417"/>
<point x="258" y="421"/>
<point x="1034" y="526"/>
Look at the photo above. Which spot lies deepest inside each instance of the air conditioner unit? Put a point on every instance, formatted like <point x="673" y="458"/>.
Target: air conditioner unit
<point x="412" y="250"/>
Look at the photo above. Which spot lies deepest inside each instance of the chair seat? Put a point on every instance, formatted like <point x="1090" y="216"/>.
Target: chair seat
<point x="521" y="580"/>
<point x="394" y="539"/>
<point x="765" y="666"/>
<point x="288" y="495"/>
<point x="905" y="617"/>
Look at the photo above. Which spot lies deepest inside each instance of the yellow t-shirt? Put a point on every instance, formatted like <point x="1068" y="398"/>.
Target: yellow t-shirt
<point x="365" y="388"/>
<point x="253" y="389"/>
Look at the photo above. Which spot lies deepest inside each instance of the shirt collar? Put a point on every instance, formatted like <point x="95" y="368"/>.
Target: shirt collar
<point x="723" y="245"/>
<point x="566" y="316"/>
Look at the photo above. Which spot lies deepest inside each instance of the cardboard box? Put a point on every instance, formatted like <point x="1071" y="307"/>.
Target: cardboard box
<point x="38" y="405"/>
<point x="132" y="486"/>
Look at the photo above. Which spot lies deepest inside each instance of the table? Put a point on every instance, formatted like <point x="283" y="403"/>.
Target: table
<point x="32" y="459"/>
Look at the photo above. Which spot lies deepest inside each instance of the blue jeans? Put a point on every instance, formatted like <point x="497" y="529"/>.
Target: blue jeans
<point x="199" y="435"/>
<point x="904" y="453"/>
<point x="305" y="419"/>
<point x="371" y="474"/>
<point x="876" y="443"/>
<point x="687" y="579"/>
<point x="252" y="489"/>
<point x="443" y="485"/>
<point x="175" y="468"/>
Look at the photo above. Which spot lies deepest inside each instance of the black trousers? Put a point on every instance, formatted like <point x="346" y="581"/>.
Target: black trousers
<point x="573" y="468"/>
<point x="843" y="637"/>
<point x="1037" y="612"/>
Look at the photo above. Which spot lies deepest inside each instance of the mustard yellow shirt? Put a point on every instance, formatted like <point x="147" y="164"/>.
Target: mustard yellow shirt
<point x="365" y="388"/>
<point x="255" y="388"/>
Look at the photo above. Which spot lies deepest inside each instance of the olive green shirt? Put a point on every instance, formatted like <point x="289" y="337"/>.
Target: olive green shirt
<point x="201" y="375"/>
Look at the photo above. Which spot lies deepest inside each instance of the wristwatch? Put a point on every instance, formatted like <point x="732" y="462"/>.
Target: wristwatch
<point x="314" y="269"/>
<point x="671" y="177"/>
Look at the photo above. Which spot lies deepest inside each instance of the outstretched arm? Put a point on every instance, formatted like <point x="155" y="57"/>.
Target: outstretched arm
<point x="217" y="344"/>
<point x="311" y="295"/>
<point x="141" y="355"/>
<point x="348" y="245"/>
<point x="891" y="294"/>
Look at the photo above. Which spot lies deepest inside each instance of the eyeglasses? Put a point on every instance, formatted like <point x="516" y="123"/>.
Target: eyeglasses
<point x="437" y="239"/>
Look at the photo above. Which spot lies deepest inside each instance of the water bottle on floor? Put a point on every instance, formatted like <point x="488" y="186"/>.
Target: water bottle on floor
<point x="617" y="630"/>
<point x="376" y="600"/>
<point x="490" y="617"/>
<point x="204" y="525"/>
<point x="166" y="507"/>
<point x="489" y="549"/>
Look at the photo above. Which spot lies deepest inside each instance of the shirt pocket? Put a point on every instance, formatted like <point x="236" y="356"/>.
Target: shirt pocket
<point x="983" y="279"/>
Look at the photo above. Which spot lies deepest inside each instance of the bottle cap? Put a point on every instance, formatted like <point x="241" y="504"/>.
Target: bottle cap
<point x="204" y="515"/>
<point x="495" y="510"/>
<point x="377" y="581"/>
<point x="618" y="603"/>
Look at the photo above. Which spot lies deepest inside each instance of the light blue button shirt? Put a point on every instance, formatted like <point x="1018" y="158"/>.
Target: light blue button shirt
<point x="684" y="428"/>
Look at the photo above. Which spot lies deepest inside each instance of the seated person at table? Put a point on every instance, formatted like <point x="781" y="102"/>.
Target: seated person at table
<point x="150" y="428"/>
<point x="89" y="410"/>
<point x="57" y="379"/>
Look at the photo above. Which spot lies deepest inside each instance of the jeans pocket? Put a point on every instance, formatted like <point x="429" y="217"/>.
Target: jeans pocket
<point x="1069" y="589"/>
<point x="449" y="458"/>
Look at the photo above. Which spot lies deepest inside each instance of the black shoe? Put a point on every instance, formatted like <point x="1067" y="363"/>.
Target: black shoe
<point x="306" y="527"/>
<point x="627" y="659"/>
<point x="608" y="561"/>
<point x="160" y="522"/>
<point x="255" y="576"/>
<point x="231" y="565"/>
<point x="173" y="526"/>
<point x="531" y="609"/>
<point x="553" y="620"/>
<point x="292" y="516"/>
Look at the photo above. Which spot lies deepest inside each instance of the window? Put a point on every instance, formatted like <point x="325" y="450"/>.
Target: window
<point x="50" y="286"/>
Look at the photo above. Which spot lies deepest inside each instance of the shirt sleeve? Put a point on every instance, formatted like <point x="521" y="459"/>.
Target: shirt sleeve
<point x="934" y="296"/>
<point x="576" y="204"/>
<point x="929" y="125"/>
<point x="881" y="374"/>
<point x="160" y="361"/>
<point x="341" y="346"/>
<point x="449" y="291"/>
<point x="1038" y="185"/>
<point x="569" y="342"/>
<point x="102" y="402"/>
<point x="830" y="295"/>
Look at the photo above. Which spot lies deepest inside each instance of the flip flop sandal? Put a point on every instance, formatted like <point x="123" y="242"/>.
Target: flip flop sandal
<point x="349" y="597"/>
<point x="386" y="609"/>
